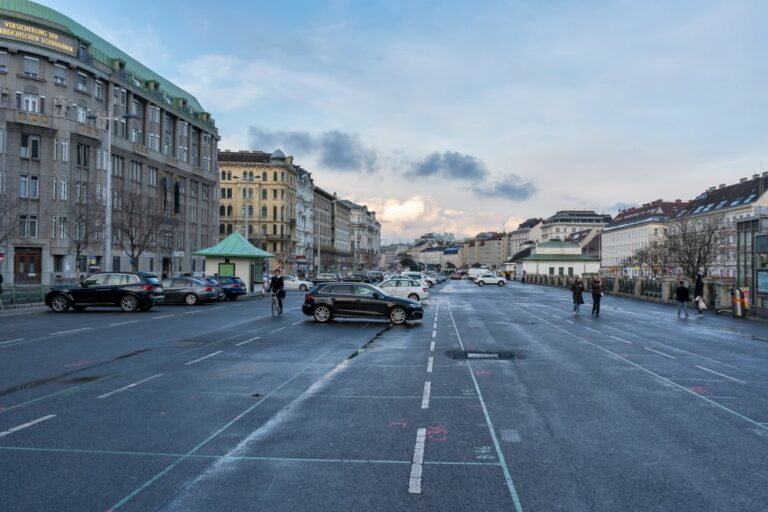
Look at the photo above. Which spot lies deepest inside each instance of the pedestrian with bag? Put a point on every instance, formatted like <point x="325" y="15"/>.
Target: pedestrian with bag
<point x="577" y="288"/>
<point x="597" y="294"/>
<point x="698" y="296"/>
<point x="683" y="296"/>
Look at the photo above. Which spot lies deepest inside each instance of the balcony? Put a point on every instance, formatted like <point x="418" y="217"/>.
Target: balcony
<point x="33" y="118"/>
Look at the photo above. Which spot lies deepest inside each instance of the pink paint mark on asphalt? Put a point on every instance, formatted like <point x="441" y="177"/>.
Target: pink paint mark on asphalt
<point x="699" y="390"/>
<point x="400" y="424"/>
<point x="437" y="433"/>
<point x="482" y="373"/>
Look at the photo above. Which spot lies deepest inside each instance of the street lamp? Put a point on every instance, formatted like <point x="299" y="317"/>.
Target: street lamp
<point x="108" y="213"/>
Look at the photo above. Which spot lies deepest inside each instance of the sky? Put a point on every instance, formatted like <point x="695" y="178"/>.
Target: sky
<point x="463" y="117"/>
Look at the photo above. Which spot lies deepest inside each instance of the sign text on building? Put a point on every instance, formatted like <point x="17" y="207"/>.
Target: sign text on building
<point x="31" y="34"/>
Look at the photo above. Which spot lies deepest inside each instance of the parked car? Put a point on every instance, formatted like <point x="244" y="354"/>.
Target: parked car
<point x="357" y="277"/>
<point x="188" y="290"/>
<point x="294" y="283"/>
<point x="216" y="288"/>
<point x="484" y="279"/>
<point x="405" y="287"/>
<point x="129" y="291"/>
<point x="232" y="286"/>
<point x="327" y="278"/>
<point x="376" y="275"/>
<point x="431" y="281"/>
<point x="326" y="301"/>
<point x="457" y="275"/>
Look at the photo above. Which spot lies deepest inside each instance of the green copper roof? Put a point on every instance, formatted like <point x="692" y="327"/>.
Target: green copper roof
<point x="559" y="257"/>
<point x="235" y="246"/>
<point x="557" y="243"/>
<point x="100" y="49"/>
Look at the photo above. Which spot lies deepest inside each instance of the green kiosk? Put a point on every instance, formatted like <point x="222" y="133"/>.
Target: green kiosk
<point x="236" y="256"/>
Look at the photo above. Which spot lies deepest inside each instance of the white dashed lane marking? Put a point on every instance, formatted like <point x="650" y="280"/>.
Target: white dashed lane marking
<point x="425" y="396"/>
<point x="276" y="330"/>
<point x="247" y="341"/>
<point x="203" y="358"/>
<point x="660" y="353"/>
<point x="129" y="386"/>
<point x="429" y="364"/>
<point x="26" y="425"/>
<point x="414" y="482"/>
<point x="721" y="374"/>
<point x="70" y="332"/>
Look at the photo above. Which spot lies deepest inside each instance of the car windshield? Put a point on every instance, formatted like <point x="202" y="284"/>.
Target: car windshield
<point x="153" y="280"/>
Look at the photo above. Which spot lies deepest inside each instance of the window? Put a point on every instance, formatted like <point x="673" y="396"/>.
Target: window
<point x="98" y="90"/>
<point x="274" y="176"/>
<point x="264" y="176"/>
<point x="82" y="82"/>
<point x="27" y="226"/>
<point x="32" y="67"/>
<point x="4" y="62"/>
<point x="30" y="102"/>
<point x="82" y="114"/>
<point x="83" y="155"/>
<point x="3" y="134"/>
<point x="135" y="171"/>
<point x="264" y="214"/>
<point x="59" y="228"/>
<point x="30" y="146"/>
<point x="274" y="194"/>
<point x="551" y="271"/>
<point x="60" y="74"/>
<point x="61" y="150"/>
<point x="152" y="176"/>
<point x="263" y="193"/>
<point x="117" y="165"/>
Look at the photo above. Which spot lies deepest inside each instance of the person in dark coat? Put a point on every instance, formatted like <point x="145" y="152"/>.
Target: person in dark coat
<point x="577" y="288"/>
<point x="597" y="294"/>
<point x="683" y="296"/>
<point x="698" y="294"/>
<point x="276" y="285"/>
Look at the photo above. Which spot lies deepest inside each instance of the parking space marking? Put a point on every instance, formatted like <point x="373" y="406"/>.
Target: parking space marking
<point x="721" y="374"/>
<point x="12" y="341"/>
<point x="425" y="396"/>
<point x="129" y="386"/>
<point x="660" y="353"/>
<point x="247" y="341"/>
<point x="414" y="482"/>
<point x="70" y="332"/>
<point x="593" y="330"/>
<point x="204" y="357"/>
<point x="297" y="323"/>
<point x="124" y="323"/>
<point x="276" y="330"/>
<point x="429" y="364"/>
<point x="621" y="339"/>
<point x="26" y="425"/>
<point x="161" y="316"/>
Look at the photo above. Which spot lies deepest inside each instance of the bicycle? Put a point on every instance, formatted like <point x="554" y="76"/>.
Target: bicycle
<point x="276" y="311"/>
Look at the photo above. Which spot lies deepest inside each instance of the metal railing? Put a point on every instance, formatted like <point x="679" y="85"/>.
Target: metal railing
<point x="14" y="295"/>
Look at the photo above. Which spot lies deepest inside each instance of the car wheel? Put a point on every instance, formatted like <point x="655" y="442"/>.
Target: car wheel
<point x="413" y="296"/>
<point x="303" y="287"/>
<point x="78" y="308"/>
<point x="129" y="303"/>
<point x="322" y="314"/>
<point x="59" y="303"/>
<point x="190" y="299"/>
<point x="398" y="315"/>
<point x="481" y="283"/>
<point x="501" y="283"/>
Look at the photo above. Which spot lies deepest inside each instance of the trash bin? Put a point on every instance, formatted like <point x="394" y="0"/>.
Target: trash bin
<point x="737" y="303"/>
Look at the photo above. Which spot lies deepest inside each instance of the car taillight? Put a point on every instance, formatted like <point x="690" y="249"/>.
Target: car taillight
<point x="235" y="285"/>
<point x="426" y="290"/>
<point x="148" y="287"/>
<point x="308" y="298"/>
<point x="209" y="289"/>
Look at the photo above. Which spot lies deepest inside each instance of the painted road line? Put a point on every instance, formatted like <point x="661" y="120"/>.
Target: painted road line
<point x="414" y="482"/>
<point x="593" y="330"/>
<point x="124" y="323"/>
<point x="429" y="364"/>
<point x="555" y="316"/>
<point x="22" y="427"/>
<point x="432" y="346"/>
<point x="660" y="353"/>
<point x="570" y="322"/>
<point x="425" y="396"/>
<point x="491" y="430"/>
<point x="276" y="330"/>
<point x="297" y="323"/>
<point x="721" y="374"/>
<point x="202" y="358"/>
<point x="12" y="341"/>
<point x="70" y="332"/>
<point x="247" y="341"/>
<point x="620" y="339"/>
<point x="434" y="334"/>
<point x="129" y="386"/>
<point x="161" y="316"/>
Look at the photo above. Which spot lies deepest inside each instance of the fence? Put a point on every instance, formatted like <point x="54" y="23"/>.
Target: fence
<point x="14" y="295"/>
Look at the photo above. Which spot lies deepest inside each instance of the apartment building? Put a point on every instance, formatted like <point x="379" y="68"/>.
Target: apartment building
<point x="342" y="242"/>
<point x="365" y="237"/>
<point x="564" y="222"/>
<point x="259" y="189"/>
<point x="528" y="231"/>
<point x="323" y="225"/>
<point x="305" y="222"/>
<point x="72" y="107"/>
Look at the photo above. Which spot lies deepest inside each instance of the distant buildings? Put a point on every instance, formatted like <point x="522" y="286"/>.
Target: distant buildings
<point x="565" y="222"/>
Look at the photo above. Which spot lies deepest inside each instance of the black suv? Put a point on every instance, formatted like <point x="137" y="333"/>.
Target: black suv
<point x="129" y="291"/>
<point x="325" y="301"/>
<point x="233" y="287"/>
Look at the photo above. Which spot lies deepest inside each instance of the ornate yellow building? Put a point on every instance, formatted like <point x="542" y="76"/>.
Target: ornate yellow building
<point x="258" y="190"/>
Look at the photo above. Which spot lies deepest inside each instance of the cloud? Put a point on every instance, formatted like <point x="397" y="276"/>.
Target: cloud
<point x="510" y="186"/>
<point x="334" y="149"/>
<point x="449" y="164"/>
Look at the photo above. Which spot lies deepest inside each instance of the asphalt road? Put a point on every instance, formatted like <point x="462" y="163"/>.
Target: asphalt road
<point x="221" y="407"/>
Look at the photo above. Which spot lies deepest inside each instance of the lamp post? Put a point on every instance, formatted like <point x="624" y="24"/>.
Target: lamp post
<point x="108" y="214"/>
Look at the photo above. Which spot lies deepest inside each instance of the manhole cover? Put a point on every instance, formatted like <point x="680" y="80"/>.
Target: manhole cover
<point x="478" y="354"/>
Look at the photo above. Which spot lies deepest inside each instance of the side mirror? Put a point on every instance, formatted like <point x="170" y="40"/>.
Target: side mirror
<point x="85" y="284"/>
<point x="376" y="295"/>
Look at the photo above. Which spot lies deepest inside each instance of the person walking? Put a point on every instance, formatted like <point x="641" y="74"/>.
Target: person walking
<point x="698" y="295"/>
<point x="277" y="286"/>
<point x="577" y="288"/>
<point x="683" y="296"/>
<point x="597" y="294"/>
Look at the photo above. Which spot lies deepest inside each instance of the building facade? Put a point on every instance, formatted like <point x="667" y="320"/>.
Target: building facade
<point x="72" y="107"/>
<point x="323" y="220"/>
<point x="305" y="224"/>
<point x="260" y="189"/>
<point x="528" y="231"/>
<point x="365" y="237"/>
<point x="556" y="257"/>
<point x="568" y="221"/>
<point x="342" y="244"/>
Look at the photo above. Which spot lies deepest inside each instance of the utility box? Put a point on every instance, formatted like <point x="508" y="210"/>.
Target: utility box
<point x="737" y="303"/>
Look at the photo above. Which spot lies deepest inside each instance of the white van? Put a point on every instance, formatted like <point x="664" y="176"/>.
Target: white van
<point x="474" y="273"/>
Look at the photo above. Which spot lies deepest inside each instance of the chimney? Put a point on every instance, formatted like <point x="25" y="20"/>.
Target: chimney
<point x="765" y="174"/>
<point x="755" y="176"/>
<point x="678" y="201"/>
<point x="722" y="185"/>
<point x="710" y="189"/>
<point x="743" y="180"/>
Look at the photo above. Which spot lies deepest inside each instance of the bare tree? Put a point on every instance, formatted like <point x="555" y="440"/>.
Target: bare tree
<point x="85" y="219"/>
<point x="696" y="244"/>
<point x="9" y="213"/>
<point x="138" y="220"/>
<point x="655" y="257"/>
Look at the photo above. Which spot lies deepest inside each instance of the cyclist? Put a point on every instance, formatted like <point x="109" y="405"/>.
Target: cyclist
<point x="277" y="286"/>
